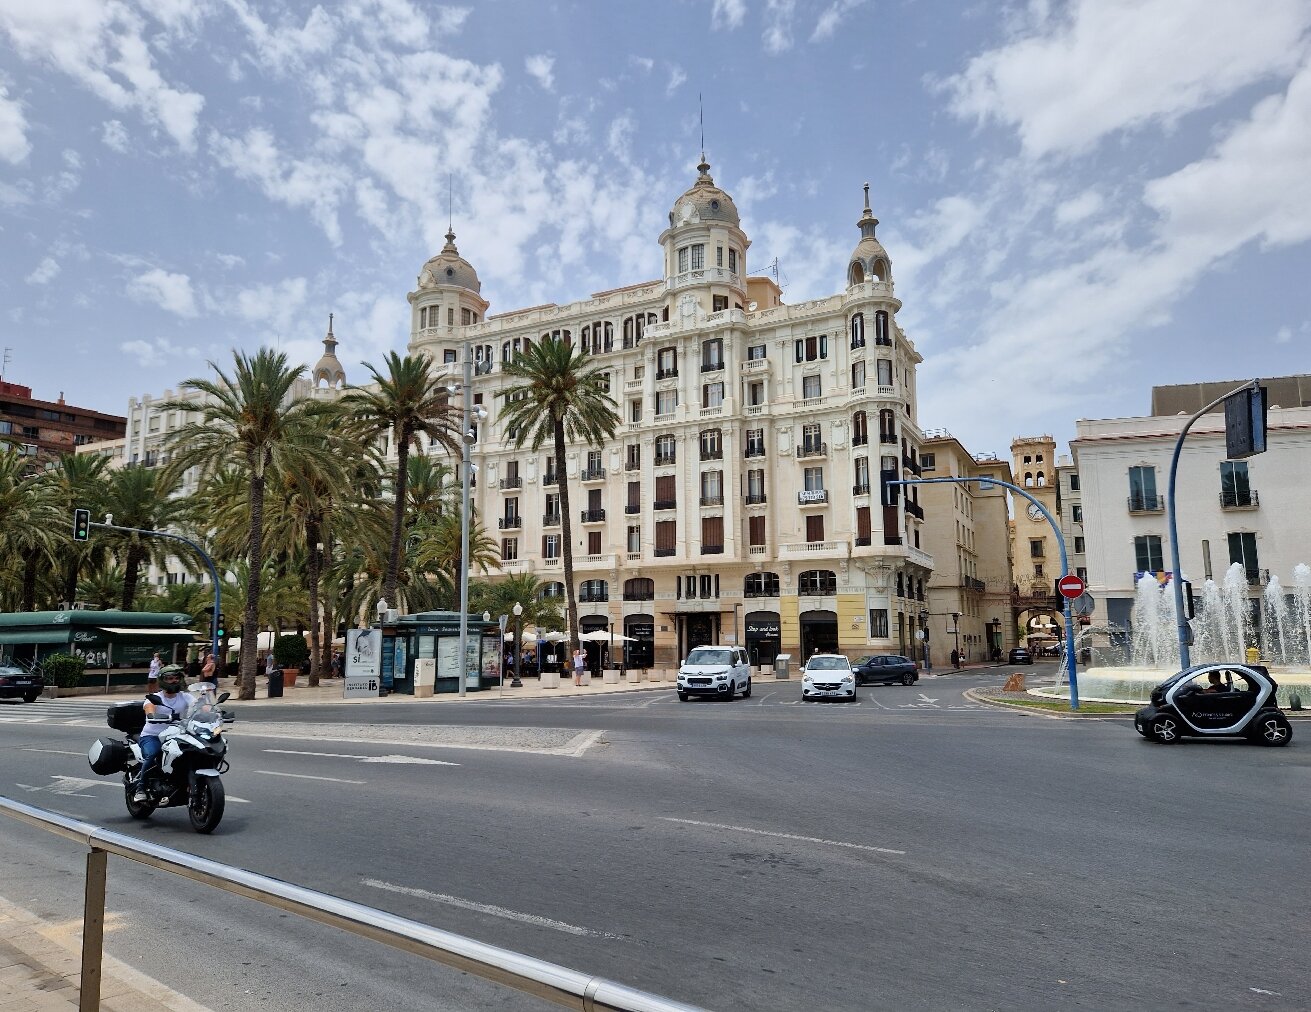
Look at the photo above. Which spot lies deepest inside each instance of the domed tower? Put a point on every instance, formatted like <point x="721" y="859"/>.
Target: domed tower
<point x="869" y="260"/>
<point x="705" y="251"/>
<point x="328" y="371"/>
<point x="446" y="299"/>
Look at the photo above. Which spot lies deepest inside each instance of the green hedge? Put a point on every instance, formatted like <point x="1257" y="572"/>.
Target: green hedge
<point x="63" y="670"/>
<point x="290" y="651"/>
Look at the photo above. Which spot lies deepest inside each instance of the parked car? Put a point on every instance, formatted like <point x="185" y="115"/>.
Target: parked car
<point x="1021" y="655"/>
<point x="721" y="672"/>
<point x="884" y="669"/>
<point x="15" y="682"/>
<point x="828" y="676"/>
<point x="1215" y="701"/>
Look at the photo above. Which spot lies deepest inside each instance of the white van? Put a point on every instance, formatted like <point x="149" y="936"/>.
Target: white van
<point x="716" y="671"/>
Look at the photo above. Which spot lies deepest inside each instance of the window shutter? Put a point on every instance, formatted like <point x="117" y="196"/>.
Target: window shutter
<point x="862" y="522"/>
<point x="634" y="493"/>
<point x="814" y="528"/>
<point x="666" y="535"/>
<point x="666" y="490"/>
<point x="756" y="528"/>
<point x="712" y="532"/>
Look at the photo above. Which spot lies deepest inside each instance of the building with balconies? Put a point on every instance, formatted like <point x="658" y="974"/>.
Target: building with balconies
<point x="719" y="512"/>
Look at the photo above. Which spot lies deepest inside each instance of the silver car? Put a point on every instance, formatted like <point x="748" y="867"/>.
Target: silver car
<point x="828" y="676"/>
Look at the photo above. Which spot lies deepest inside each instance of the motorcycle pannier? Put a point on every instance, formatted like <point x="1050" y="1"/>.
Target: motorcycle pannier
<point x="129" y="718"/>
<point x="108" y="757"/>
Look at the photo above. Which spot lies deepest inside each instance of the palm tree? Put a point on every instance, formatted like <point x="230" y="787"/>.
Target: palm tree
<point x="253" y="417"/>
<point x="438" y="544"/>
<point x="142" y="497"/>
<point x="559" y="398"/>
<point x="407" y="403"/>
<point x="29" y="523"/>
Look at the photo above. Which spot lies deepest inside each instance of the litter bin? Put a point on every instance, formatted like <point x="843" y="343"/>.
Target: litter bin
<point x="783" y="666"/>
<point x="275" y="684"/>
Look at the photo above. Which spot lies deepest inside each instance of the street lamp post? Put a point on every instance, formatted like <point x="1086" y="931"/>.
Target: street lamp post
<point x="518" y="635"/>
<point x="955" y="632"/>
<point x="467" y="437"/>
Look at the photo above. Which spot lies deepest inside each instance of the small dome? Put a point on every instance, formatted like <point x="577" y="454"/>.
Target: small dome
<point x="704" y="202"/>
<point x="869" y="260"/>
<point x="449" y="268"/>
<point x="328" y="369"/>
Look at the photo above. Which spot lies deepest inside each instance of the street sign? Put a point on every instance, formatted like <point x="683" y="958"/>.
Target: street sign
<point x="1083" y="604"/>
<point x="1070" y="586"/>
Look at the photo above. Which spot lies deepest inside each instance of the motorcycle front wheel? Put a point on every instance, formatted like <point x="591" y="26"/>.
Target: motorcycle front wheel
<point x="138" y="810"/>
<point x="205" y="806"/>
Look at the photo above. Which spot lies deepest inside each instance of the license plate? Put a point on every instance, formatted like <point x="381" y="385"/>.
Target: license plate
<point x="830" y="692"/>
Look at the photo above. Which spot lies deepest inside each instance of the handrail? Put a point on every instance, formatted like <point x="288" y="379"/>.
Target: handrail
<point x="555" y="983"/>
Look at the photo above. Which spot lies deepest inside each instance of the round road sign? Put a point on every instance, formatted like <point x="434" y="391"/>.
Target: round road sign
<point x="1070" y="586"/>
<point x="1083" y="604"/>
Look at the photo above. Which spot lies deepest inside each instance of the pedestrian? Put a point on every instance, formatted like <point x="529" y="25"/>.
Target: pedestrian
<point x="270" y="665"/>
<point x="155" y="665"/>
<point x="209" y="670"/>
<point x="955" y="659"/>
<point x="580" y="663"/>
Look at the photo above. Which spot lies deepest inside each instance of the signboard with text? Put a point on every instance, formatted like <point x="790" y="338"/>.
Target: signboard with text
<point x="363" y="663"/>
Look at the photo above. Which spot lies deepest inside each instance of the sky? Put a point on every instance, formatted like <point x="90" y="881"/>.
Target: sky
<point x="1080" y="199"/>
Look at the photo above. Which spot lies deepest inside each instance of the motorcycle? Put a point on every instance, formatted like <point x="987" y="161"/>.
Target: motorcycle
<point x="191" y="761"/>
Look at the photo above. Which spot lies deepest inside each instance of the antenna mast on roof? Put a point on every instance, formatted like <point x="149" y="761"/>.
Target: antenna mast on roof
<point x="450" y="202"/>
<point x="701" y="112"/>
<point x="4" y="363"/>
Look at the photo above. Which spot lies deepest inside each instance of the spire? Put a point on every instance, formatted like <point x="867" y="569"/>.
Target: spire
<point x="450" y="242"/>
<point x="868" y="223"/>
<point x="330" y="340"/>
<point x="328" y="369"/>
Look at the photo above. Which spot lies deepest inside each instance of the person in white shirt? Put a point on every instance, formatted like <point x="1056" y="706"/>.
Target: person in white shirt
<point x="171" y="700"/>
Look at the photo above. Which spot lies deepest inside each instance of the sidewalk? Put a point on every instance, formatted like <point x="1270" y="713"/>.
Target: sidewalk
<point x="40" y="966"/>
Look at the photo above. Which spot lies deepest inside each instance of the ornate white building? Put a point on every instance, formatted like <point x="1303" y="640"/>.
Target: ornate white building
<point x="741" y="499"/>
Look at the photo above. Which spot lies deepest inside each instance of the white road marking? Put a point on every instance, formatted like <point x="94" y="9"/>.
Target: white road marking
<point x="785" y="836"/>
<point x="1259" y="990"/>
<point x="926" y="699"/>
<point x="68" y="786"/>
<point x="306" y="776"/>
<point x="394" y="759"/>
<point x="483" y="908"/>
<point x="52" y="751"/>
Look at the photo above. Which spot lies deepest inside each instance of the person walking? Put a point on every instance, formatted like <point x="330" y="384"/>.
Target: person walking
<point x="580" y="664"/>
<point x="209" y="670"/>
<point x="152" y="678"/>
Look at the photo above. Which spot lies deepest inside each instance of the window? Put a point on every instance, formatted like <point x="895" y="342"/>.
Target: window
<point x="756" y="531"/>
<point x="666" y="537"/>
<point x="666" y="492"/>
<point x="1235" y="487"/>
<point x="1242" y="548"/>
<point x="593" y="461"/>
<point x="550" y="477"/>
<point x="639" y="589"/>
<point x="814" y="479"/>
<point x="682" y="260"/>
<point x="635" y="543"/>
<point x="698" y="256"/>
<point x="712" y="535"/>
<point x="760" y="584"/>
<point x="1147" y="553"/>
<point x="632" y="456"/>
<point x="732" y="260"/>
<point x="550" y="546"/>
<point x="1076" y="512"/>
<point x="553" y="507"/>
<point x="812" y="438"/>
<point x="1142" y="488"/>
<point x="756" y="353"/>
<point x="593" y="542"/>
<point x="712" y="354"/>
<point x="814" y="529"/>
<point x="666" y="363"/>
<point x="862" y="475"/>
<point x="1035" y="548"/>
<point x="509" y="549"/>
<point x="666" y="450"/>
<point x="712" y="444"/>
<point x="635" y="410"/>
<point x="755" y="394"/>
<point x="878" y="623"/>
<point x="755" y="442"/>
<point x="1082" y="573"/>
<point x="755" y="487"/>
<point x="450" y="316"/>
<point x="1079" y="545"/>
<point x="857" y="375"/>
<point x="466" y="317"/>
<point x="928" y="462"/>
<point x="885" y="372"/>
<point x="666" y="402"/>
<point x="817" y="582"/>
<point x="811" y="388"/>
<point x="512" y="508"/>
<point x="1074" y="481"/>
<point x="1037" y="569"/>
<point x="634" y="502"/>
<point x="553" y="590"/>
<point x="712" y="488"/>
<point x="811" y="349"/>
<point x="709" y="586"/>
<point x="718" y="303"/>
<point x="594" y="590"/>
<point x="719" y="256"/>
<point x="712" y="395"/>
<point x="858" y="330"/>
<point x="859" y="429"/>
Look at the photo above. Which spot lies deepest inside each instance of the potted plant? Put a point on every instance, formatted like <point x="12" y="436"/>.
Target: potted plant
<point x="289" y="652"/>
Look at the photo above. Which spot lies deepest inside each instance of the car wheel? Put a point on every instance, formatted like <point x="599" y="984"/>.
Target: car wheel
<point x="907" y="679"/>
<point x="31" y="697"/>
<point x="746" y="693"/>
<point x="1273" y="729"/>
<point x="1164" y="729"/>
<point x="682" y="697"/>
<point x="732" y="692"/>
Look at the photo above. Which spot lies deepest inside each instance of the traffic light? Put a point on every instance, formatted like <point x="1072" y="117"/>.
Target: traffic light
<point x="81" y="525"/>
<point x="221" y="628"/>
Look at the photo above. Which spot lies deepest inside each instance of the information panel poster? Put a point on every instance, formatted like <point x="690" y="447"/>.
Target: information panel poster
<point x="363" y="663"/>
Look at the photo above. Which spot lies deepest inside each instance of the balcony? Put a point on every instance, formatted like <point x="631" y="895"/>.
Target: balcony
<point x="550" y="519"/>
<point x="812" y="450"/>
<point x="1239" y="500"/>
<point x="754" y="364"/>
<point x="510" y="523"/>
<point x="592" y="516"/>
<point x="593" y="474"/>
<point x="1146" y="504"/>
<point x="755" y="499"/>
<point x="484" y="367"/>
<point x="551" y="478"/>
<point x="888" y="438"/>
<point x="712" y="366"/>
<point x="510" y="483"/>
<point x="863" y="540"/>
<point x="892" y="539"/>
<point x="886" y="391"/>
<point x="665" y="504"/>
<point x="712" y="549"/>
<point x="914" y="509"/>
<point x="712" y="500"/>
<point x="757" y="550"/>
<point x="860" y="489"/>
<point x="803" y="549"/>
<point x="666" y="459"/>
<point x="976" y="585"/>
<point x="711" y="412"/>
<point x="1257" y="577"/>
<point x="713" y="454"/>
<point x="751" y="410"/>
<point x="633" y="384"/>
<point x="882" y="342"/>
<point x="860" y="439"/>
<point x="633" y="508"/>
<point x="633" y="465"/>
<point x="639" y="595"/>
<point x="593" y="596"/>
<point x="911" y="464"/>
<point x="813" y="497"/>
<point x="551" y="561"/>
<point x="919" y="557"/>
<point x="665" y="553"/>
<point x="667" y="374"/>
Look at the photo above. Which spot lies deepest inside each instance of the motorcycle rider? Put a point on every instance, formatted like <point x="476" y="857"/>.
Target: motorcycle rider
<point x="170" y="701"/>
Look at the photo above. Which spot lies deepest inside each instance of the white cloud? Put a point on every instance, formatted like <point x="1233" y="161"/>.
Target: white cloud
<point x="275" y="305"/>
<point x="539" y="67"/>
<point x="1077" y="209"/>
<point x="170" y="292"/>
<point x="46" y="271"/>
<point x="14" y="145"/>
<point x="728" y="14"/>
<point x="1284" y="335"/>
<point x="114" y="136"/>
<point x="676" y="78"/>
<point x="779" y="15"/>
<point x="230" y="260"/>
<point x="1070" y="79"/>
<point x="103" y="46"/>
<point x="832" y="16"/>
<point x="644" y="63"/>
<point x="150" y="354"/>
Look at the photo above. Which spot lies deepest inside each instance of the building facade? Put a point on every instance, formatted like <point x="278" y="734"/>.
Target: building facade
<point x="1037" y="558"/>
<point x="968" y="535"/>
<point x="1251" y="512"/>
<point x="742" y="498"/>
<point x="43" y="430"/>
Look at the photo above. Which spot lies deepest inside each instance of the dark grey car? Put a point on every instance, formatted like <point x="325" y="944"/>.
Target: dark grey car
<point x="885" y="669"/>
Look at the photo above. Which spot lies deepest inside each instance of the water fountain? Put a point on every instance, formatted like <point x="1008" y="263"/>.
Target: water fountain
<point x="1125" y="664"/>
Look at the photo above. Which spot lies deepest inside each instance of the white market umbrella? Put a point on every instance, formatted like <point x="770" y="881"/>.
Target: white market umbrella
<point x="597" y="636"/>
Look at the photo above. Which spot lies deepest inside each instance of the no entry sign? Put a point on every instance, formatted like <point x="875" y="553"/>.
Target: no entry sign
<point x="1070" y="586"/>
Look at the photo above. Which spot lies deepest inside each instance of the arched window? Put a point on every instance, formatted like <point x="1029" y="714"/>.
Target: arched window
<point x="590" y="591"/>
<point x="858" y="330"/>
<point x="609" y="336"/>
<point x="1028" y="479"/>
<point x="1042" y="479"/>
<point x="856" y="274"/>
<point x="881" y="334"/>
<point x="760" y="585"/>
<point x="817" y="582"/>
<point x="859" y="429"/>
<point x="639" y="589"/>
<point x="628" y="332"/>
<point x="552" y="590"/>
<point x="879" y="270"/>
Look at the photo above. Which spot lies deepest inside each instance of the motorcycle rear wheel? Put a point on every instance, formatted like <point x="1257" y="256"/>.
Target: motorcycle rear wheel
<point x="136" y="809"/>
<point x="205" y="806"/>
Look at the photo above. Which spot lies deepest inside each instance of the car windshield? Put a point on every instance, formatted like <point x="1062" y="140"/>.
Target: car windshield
<point x="828" y="664"/>
<point x="705" y="656"/>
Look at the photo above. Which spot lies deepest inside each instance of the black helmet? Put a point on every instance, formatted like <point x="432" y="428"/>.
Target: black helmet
<point x="170" y="679"/>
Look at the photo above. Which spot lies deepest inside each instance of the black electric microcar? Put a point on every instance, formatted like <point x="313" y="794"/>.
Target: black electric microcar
<point x="1215" y="701"/>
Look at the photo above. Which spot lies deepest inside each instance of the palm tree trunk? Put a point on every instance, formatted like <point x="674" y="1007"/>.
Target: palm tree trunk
<point x="314" y="567"/>
<point x="71" y="573"/>
<point x="566" y="535"/>
<point x="131" y="574"/>
<point x="397" y="516"/>
<point x="329" y="612"/>
<point x="250" y="621"/>
<point x="29" y="582"/>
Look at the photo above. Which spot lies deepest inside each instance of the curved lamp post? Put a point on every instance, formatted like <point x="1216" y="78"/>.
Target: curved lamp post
<point x="518" y="647"/>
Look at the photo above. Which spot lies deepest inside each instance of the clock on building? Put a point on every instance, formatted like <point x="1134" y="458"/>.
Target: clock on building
<point x="1035" y="513"/>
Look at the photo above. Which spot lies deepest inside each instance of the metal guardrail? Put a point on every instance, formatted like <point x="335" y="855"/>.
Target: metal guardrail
<point x="550" y="981"/>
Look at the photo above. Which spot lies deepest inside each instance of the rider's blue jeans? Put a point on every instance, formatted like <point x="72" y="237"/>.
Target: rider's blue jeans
<point x="151" y="747"/>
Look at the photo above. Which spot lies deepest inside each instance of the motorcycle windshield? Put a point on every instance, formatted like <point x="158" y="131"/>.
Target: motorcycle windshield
<point x="203" y="717"/>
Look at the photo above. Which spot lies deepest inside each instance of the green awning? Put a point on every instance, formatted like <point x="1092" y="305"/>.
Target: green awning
<point x="129" y="631"/>
<point x="36" y="636"/>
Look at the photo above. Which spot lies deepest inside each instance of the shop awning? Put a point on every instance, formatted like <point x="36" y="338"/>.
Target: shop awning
<point x="35" y="636"/>
<point x="159" y="633"/>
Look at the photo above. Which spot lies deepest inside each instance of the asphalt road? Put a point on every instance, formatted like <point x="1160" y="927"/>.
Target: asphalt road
<point x="914" y="851"/>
